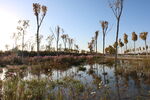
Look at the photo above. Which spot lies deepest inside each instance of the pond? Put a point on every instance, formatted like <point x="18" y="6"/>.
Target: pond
<point x="126" y="81"/>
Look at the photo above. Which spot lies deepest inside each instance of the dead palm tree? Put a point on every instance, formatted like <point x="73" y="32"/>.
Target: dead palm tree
<point x="37" y="8"/>
<point x="56" y="33"/>
<point x="16" y="37"/>
<point x="104" y="25"/>
<point x="140" y="49"/>
<point x="70" y="41"/>
<point x="64" y="38"/>
<point x="125" y="37"/>
<point x="143" y="36"/>
<point x="7" y="47"/>
<point x="134" y="38"/>
<point x="50" y="39"/>
<point x="90" y="47"/>
<point x="23" y="25"/>
<point x="117" y="8"/>
<point x="96" y="36"/>
<point x="57" y="38"/>
<point x="93" y="43"/>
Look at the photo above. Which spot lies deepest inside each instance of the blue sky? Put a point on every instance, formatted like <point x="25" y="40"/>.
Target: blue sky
<point x="80" y="18"/>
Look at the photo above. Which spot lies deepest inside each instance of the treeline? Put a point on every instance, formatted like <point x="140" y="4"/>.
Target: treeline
<point x="68" y="44"/>
<point x="135" y="49"/>
<point x="46" y="53"/>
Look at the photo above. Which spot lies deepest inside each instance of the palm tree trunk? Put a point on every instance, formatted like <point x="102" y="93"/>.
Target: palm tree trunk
<point x="22" y="44"/>
<point x="96" y="45"/>
<point x="126" y="47"/>
<point x="134" y="47"/>
<point x="15" y="43"/>
<point x="103" y="44"/>
<point x="146" y="47"/>
<point x="121" y="50"/>
<point x="57" y="42"/>
<point x="57" y="46"/>
<point x="37" y="37"/>
<point x="118" y="23"/>
<point x="65" y="44"/>
<point x="38" y="43"/>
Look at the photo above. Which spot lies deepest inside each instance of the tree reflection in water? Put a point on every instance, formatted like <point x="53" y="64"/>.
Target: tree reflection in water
<point x="125" y="80"/>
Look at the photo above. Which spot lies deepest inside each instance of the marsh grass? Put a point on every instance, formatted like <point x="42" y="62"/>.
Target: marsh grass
<point x="41" y="89"/>
<point x="66" y="88"/>
<point x="0" y="88"/>
<point x="15" y="87"/>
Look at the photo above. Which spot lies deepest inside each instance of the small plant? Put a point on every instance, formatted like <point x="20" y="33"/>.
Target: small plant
<point x="91" y="71"/>
<point x="81" y="68"/>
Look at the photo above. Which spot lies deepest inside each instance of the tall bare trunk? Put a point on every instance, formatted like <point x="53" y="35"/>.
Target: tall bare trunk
<point x="38" y="43"/>
<point x="134" y="47"/>
<point x="37" y="37"/>
<point x="65" y="44"/>
<point x="117" y="33"/>
<point x="57" y="39"/>
<point x="146" y="47"/>
<point x="22" y="44"/>
<point x="103" y="44"/>
<point x="57" y="45"/>
<point x="96" y="45"/>
<point x="126" y="47"/>
<point x="121" y="50"/>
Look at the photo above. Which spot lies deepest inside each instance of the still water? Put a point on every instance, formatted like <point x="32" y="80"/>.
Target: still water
<point x="123" y="82"/>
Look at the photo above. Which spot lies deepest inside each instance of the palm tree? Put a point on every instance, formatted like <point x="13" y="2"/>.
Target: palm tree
<point x="93" y="43"/>
<point x="104" y="25"/>
<point x="110" y="49"/>
<point x="90" y="47"/>
<point x="31" y="43"/>
<point x="50" y="39"/>
<point x="58" y="31"/>
<point x="121" y="44"/>
<point x="140" y="49"/>
<point x="37" y="8"/>
<point x="70" y="41"/>
<point x="143" y="36"/>
<point x="60" y="47"/>
<point x="117" y="8"/>
<point x="7" y="47"/>
<point x="125" y="37"/>
<point x="23" y="25"/>
<point x="57" y="37"/>
<point x="134" y="38"/>
<point x="96" y="36"/>
<point x="115" y="45"/>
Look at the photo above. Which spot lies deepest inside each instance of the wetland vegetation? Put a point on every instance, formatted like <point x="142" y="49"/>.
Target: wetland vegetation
<point x="128" y="80"/>
<point x="58" y="69"/>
